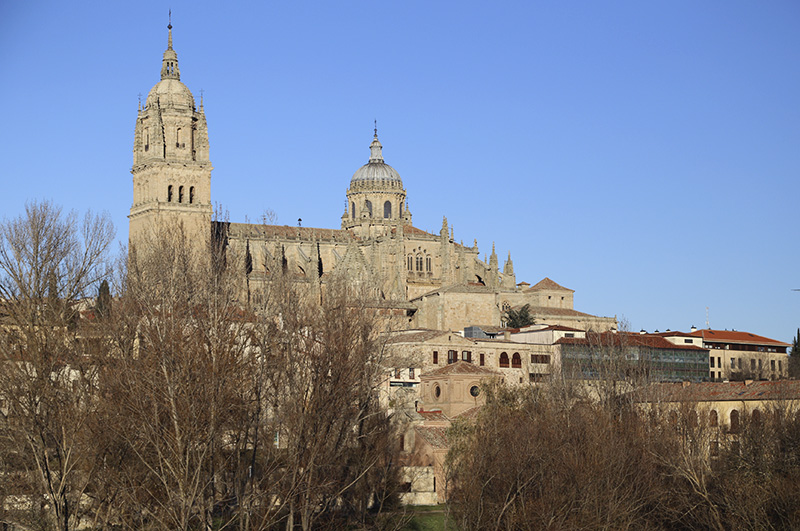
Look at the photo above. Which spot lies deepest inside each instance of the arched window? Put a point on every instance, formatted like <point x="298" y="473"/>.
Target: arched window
<point x="516" y="361"/>
<point x="191" y="195"/>
<point x="169" y="194"/>
<point x="178" y="138"/>
<point x="756" y="417"/>
<point x="368" y="206"/>
<point x="353" y="210"/>
<point x="146" y="139"/>
<point x="411" y="262"/>
<point x="180" y="194"/>
<point x="734" y="420"/>
<point x="387" y="209"/>
<point x="419" y="262"/>
<point x="428" y="264"/>
<point x="504" y="360"/>
<point x="713" y="419"/>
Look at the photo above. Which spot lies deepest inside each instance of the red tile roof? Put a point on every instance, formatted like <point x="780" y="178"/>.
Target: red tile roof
<point x="434" y="416"/>
<point x="547" y="284"/>
<point x="459" y="367"/>
<point x="469" y="414"/>
<point x="434" y="435"/>
<point x="624" y="339"/>
<point x="734" y="336"/>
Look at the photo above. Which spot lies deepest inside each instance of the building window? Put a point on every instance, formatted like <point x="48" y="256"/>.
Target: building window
<point x="387" y="209"/>
<point x="419" y="262"/>
<point x="191" y="195"/>
<point x="474" y="391"/>
<point x="733" y="363"/>
<point x="569" y="334"/>
<point x="169" y="194"/>
<point x="756" y="417"/>
<point x="687" y="341"/>
<point x="780" y="366"/>
<point x="504" y="360"/>
<point x="435" y="358"/>
<point x="411" y="373"/>
<point x="368" y="207"/>
<point x="452" y="356"/>
<point x="482" y="359"/>
<point x="739" y="363"/>
<point x="719" y="362"/>
<point x="437" y="391"/>
<point x="734" y="421"/>
<point x="772" y="365"/>
<point x="713" y="419"/>
<point x="397" y="374"/>
<point x="466" y="356"/>
<point x="180" y="194"/>
<point x="711" y="361"/>
<point x="752" y="364"/>
<point x="410" y="263"/>
<point x="516" y="361"/>
<point x="353" y="210"/>
<point x="540" y="358"/>
<point x="428" y="267"/>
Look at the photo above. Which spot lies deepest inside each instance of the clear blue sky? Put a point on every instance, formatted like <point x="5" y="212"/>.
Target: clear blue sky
<point x="644" y="154"/>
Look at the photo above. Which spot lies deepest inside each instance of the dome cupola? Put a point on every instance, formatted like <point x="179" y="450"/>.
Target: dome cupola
<point x="376" y="173"/>
<point x="170" y="92"/>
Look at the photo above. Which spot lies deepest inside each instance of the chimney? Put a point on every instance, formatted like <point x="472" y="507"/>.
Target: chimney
<point x="694" y="328"/>
<point x="642" y="331"/>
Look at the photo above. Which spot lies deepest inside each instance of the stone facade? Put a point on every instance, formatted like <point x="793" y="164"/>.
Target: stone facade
<point x="429" y="280"/>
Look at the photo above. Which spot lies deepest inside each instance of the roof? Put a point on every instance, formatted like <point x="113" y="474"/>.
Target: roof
<point x="459" y="288"/>
<point x="434" y="416"/>
<point x="459" y="367"/>
<point x="720" y="391"/>
<point x="434" y="435"/>
<point x="559" y="328"/>
<point x="734" y="336"/>
<point x="470" y="413"/>
<point x="547" y="284"/>
<point x="625" y="339"/>
<point x="422" y="335"/>
<point x="259" y="231"/>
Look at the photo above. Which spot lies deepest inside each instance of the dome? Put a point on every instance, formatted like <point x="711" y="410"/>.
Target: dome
<point x="171" y="93"/>
<point x="376" y="171"/>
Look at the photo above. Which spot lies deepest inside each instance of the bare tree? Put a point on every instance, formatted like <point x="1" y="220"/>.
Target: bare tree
<point x="48" y="260"/>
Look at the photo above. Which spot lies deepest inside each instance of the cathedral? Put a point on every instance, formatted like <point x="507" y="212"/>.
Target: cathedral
<point x="427" y="279"/>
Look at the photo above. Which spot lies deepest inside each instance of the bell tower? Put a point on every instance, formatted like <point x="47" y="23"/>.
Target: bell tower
<point x="171" y="169"/>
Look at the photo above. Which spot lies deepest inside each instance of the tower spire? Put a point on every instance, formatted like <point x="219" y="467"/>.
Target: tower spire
<point x="375" y="147"/>
<point x="169" y="65"/>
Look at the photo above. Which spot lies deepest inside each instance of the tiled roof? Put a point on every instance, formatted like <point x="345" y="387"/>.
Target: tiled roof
<point x="418" y="336"/>
<point x="623" y="339"/>
<point x="469" y="414"/>
<point x="720" y="391"/>
<point x="258" y="231"/>
<point x="459" y="367"/>
<point x="433" y="435"/>
<point x="434" y="416"/>
<point x="410" y="229"/>
<point x="458" y="288"/>
<point x="734" y="336"/>
<point x="547" y="284"/>
<point x="559" y="328"/>
<point x="564" y="312"/>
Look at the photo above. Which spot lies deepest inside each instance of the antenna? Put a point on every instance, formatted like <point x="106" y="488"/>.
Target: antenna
<point x="708" y="326"/>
